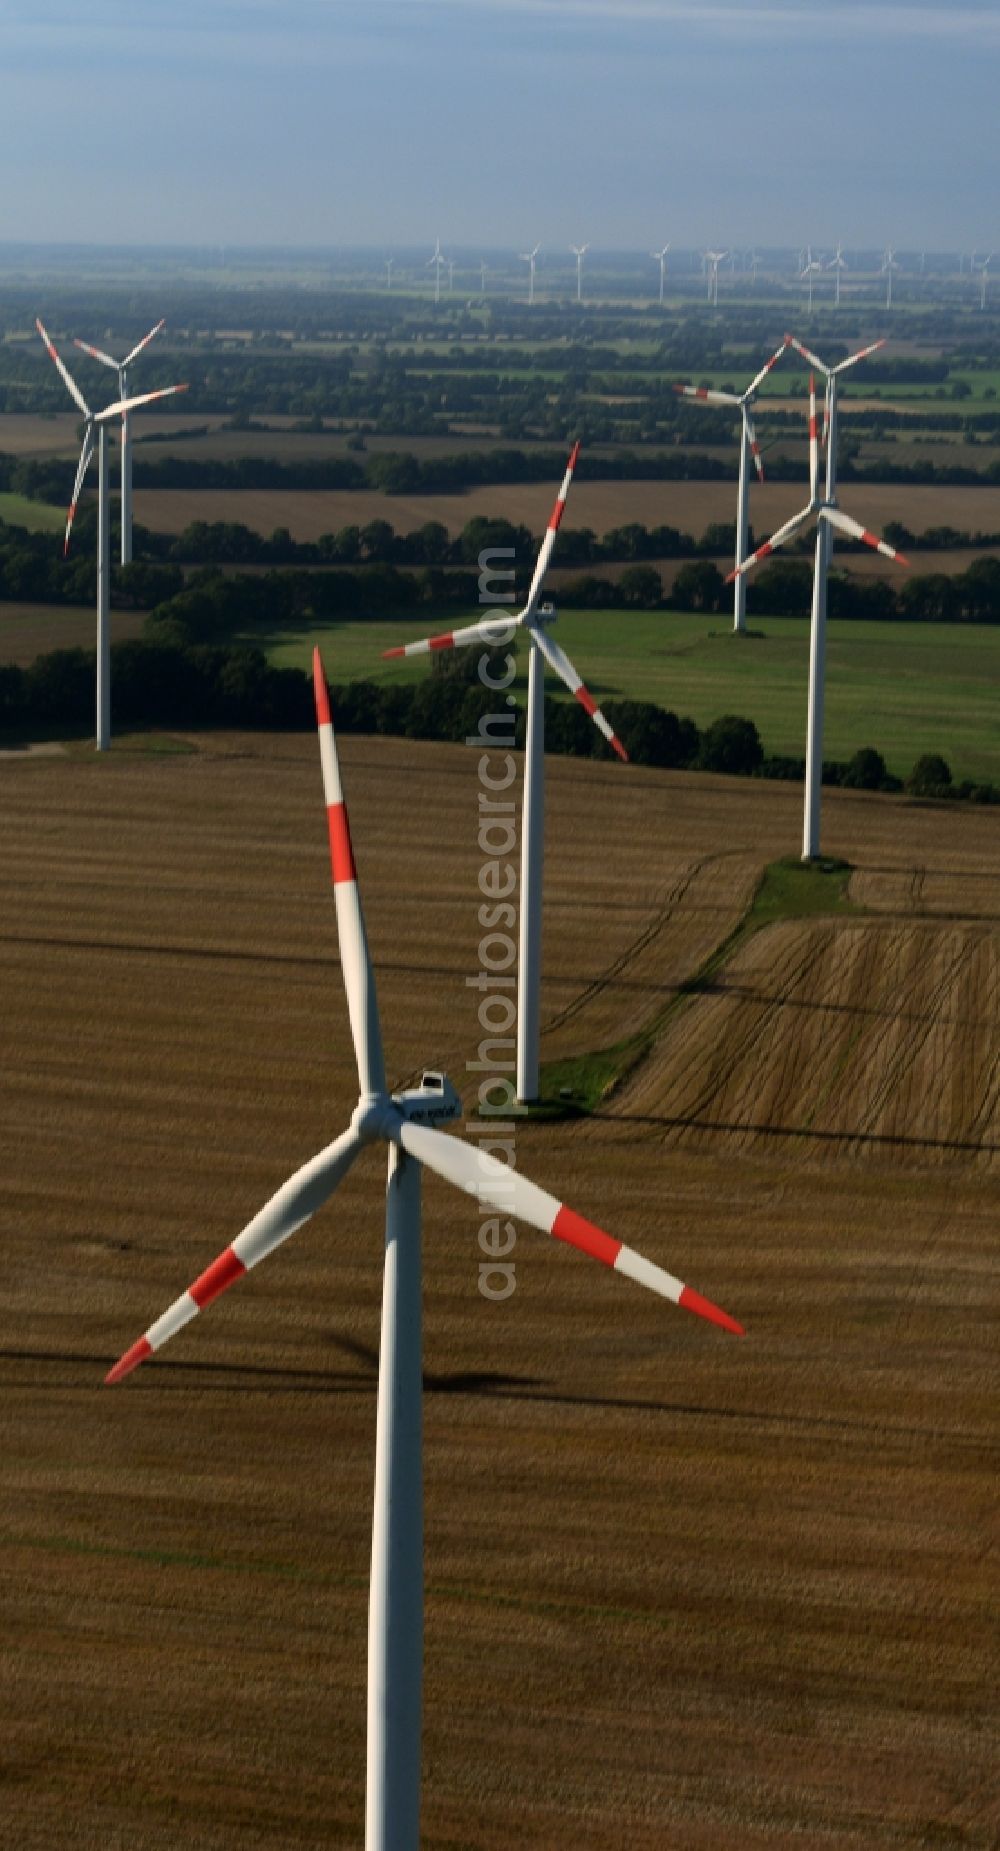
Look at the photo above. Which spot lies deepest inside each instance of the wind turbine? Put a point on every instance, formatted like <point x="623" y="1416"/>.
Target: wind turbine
<point x="451" y="274"/>
<point x="660" y="257"/>
<point x="713" y="260"/>
<point x="837" y="263"/>
<point x="812" y="267"/>
<point x="98" y="422"/>
<point x="120" y="367"/>
<point x="482" y="279"/>
<point x="983" y="268"/>
<point x="828" y="517"/>
<point x="404" y="1121"/>
<point x="528" y="257"/>
<point x="437" y="260"/>
<point x="389" y="262"/>
<point x="889" y="264"/>
<point x="748" y="447"/>
<point x="534" y="621"/>
<point x="579" y="251"/>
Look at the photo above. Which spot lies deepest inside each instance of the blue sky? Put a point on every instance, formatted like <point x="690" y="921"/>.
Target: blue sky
<point x="499" y="122"/>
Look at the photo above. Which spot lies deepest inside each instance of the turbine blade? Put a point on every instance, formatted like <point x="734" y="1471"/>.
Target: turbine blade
<point x="765" y="369"/>
<point x="807" y="354"/>
<point x="545" y="551"/>
<point x="770" y="546"/>
<point x="480" y="1175"/>
<point x="813" y="441"/>
<point x="826" y="413"/>
<point x="355" y="959"/>
<point x="758" y="462"/>
<point x="96" y="354"/>
<point x="129" y="404"/>
<point x="144" y="342"/>
<point x="837" y="518"/>
<point x="862" y="354"/>
<point x="83" y="465"/>
<point x="558" y="660"/>
<point x="63" y="370"/>
<point x="708" y="396"/>
<point x="489" y="630"/>
<point x="293" y="1204"/>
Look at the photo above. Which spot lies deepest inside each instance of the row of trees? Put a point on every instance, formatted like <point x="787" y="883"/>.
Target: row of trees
<point x="165" y="683"/>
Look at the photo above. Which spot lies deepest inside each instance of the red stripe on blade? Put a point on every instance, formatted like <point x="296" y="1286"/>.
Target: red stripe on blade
<point x="586" y="700"/>
<point x="341" y="851"/>
<point x="704" y="1308"/>
<point x="399" y="651"/>
<point x="572" y="1227"/>
<point x="443" y="642"/>
<point x="321" y="691"/>
<point x="222" y="1273"/>
<point x="131" y="1360"/>
<point x="619" y="748"/>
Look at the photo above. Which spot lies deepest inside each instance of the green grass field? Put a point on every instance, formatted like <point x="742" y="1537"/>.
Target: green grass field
<point x="37" y="516"/>
<point x="905" y="688"/>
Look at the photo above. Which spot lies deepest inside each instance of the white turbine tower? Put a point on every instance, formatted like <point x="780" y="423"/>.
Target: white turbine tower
<point x="889" y="264"/>
<point x="482" y="279"/>
<point x="97" y="423"/>
<point x="811" y="268"/>
<point x="660" y="257"/>
<point x="534" y="621"/>
<point x="983" y="269"/>
<point x="749" y="447"/>
<point x="579" y="251"/>
<point x="120" y="367"/>
<point x="837" y="263"/>
<point x="828" y="516"/>
<point x="713" y="260"/>
<point x="528" y="257"/>
<point x="405" y="1122"/>
<point x="437" y="260"/>
<point x="389" y="262"/>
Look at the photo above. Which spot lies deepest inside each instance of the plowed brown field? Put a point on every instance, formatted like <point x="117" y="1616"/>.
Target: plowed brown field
<point x="684" y="1591"/>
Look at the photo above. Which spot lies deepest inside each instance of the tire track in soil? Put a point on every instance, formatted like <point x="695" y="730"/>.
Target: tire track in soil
<point x="912" y="1036"/>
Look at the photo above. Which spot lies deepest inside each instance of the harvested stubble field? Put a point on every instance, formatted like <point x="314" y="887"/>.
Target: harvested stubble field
<point x="689" y="506"/>
<point x="683" y="1591"/>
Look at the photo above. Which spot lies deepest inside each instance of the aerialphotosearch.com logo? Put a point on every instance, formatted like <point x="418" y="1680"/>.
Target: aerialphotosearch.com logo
<point x="496" y="979"/>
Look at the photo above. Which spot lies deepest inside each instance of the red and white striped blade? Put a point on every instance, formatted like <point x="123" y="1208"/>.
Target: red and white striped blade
<point x="813" y="441"/>
<point x="63" y="370"/>
<point x="144" y="342"/>
<point x="507" y="1190"/>
<point x="488" y="630"/>
<point x="81" y="469"/>
<point x="844" y="522"/>
<point x="355" y="958"/>
<point x="707" y="396"/>
<point x="558" y="660"/>
<point x="862" y="354"/>
<point x="807" y="354"/>
<point x="293" y="1204"/>
<point x="758" y="461"/>
<point x="797" y="522"/>
<point x="96" y="354"/>
<point x="545" y="552"/>
<point x="129" y="404"/>
<point x="765" y="369"/>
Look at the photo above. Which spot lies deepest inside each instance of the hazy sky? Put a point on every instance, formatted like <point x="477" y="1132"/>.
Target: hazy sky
<point x="621" y="122"/>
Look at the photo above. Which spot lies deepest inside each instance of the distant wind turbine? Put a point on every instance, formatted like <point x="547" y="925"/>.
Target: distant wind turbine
<point x="811" y="268"/>
<point x="713" y="260"/>
<point x="889" y="264"/>
<point x="120" y="367"/>
<point x="837" y="263"/>
<point x="983" y="268"/>
<point x="97" y="423"/>
<point x="437" y="260"/>
<point x="388" y="271"/>
<point x="660" y="257"/>
<point x="579" y="251"/>
<point x="528" y="257"/>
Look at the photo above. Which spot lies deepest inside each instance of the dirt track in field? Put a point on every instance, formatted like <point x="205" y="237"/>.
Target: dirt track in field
<point x="683" y="1590"/>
